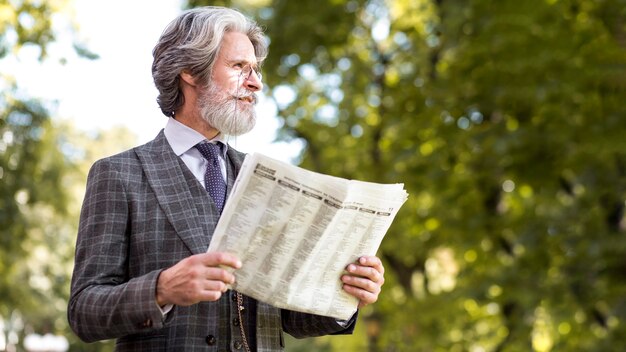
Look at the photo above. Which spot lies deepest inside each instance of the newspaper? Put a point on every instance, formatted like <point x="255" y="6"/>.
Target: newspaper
<point x="295" y="231"/>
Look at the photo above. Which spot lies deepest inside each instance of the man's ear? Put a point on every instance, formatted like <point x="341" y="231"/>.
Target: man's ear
<point x="188" y="78"/>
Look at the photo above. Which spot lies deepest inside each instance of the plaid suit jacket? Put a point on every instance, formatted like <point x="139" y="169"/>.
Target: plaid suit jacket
<point x="143" y="212"/>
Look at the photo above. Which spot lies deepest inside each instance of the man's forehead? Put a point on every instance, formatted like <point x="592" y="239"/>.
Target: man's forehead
<point x="237" y="46"/>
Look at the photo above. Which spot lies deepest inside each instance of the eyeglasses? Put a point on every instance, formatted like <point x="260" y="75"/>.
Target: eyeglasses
<point x="247" y="70"/>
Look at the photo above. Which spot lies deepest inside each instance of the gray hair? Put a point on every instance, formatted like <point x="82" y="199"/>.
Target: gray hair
<point x="192" y="42"/>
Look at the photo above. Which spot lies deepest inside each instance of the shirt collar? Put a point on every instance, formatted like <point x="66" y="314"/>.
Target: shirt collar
<point x="182" y="137"/>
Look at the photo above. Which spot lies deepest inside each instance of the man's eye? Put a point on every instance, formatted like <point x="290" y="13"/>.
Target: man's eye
<point x="238" y="65"/>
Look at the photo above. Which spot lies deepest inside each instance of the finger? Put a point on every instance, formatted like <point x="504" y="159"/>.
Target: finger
<point x="364" y="297"/>
<point x="372" y="261"/>
<point x="212" y="290"/>
<point x="212" y="285"/>
<point x="200" y="290"/>
<point x="220" y="275"/>
<point x="364" y="284"/>
<point x="220" y="258"/>
<point x="211" y="295"/>
<point x="365" y="272"/>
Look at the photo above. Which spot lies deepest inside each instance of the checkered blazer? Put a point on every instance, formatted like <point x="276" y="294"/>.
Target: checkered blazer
<point x="143" y="212"/>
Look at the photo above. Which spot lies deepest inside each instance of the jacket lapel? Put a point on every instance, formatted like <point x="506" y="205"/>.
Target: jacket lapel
<point x="233" y="165"/>
<point x="183" y="200"/>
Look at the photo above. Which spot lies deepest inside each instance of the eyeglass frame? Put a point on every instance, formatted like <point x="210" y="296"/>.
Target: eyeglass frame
<point x="246" y="72"/>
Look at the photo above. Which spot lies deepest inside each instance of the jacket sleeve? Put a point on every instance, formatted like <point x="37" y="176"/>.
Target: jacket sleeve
<point x="301" y="325"/>
<point x="104" y="303"/>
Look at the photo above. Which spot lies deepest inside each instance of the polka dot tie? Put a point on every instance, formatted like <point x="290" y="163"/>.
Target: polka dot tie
<point x="213" y="179"/>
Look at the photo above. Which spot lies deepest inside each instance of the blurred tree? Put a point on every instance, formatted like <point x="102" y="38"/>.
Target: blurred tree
<point x="506" y="122"/>
<point x="33" y="207"/>
<point x="31" y="170"/>
<point x="43" y="165"/>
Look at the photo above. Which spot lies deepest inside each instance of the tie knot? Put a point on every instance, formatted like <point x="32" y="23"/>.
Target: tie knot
<point x="209" y="151"/>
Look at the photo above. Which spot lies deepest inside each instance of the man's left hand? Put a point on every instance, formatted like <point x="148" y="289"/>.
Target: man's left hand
<point x="364" y="279"/>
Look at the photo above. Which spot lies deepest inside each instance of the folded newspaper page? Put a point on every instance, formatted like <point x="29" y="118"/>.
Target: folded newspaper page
<point x="295" y="231"/>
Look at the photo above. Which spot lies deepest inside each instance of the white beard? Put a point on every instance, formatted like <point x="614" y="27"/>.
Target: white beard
<point x="226" y="112"/>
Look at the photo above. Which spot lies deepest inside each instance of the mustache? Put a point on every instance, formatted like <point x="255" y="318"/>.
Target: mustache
<point x="246" y="95"/>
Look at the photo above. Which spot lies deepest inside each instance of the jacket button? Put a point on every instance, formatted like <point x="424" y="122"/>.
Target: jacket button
<point x="236" y="322"/>
<point x="210" y="340"/>
<point x="237" y="345"/>
<point x="147" y="323"/>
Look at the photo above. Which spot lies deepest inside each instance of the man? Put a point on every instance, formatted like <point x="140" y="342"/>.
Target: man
<point x="142" y="274"/>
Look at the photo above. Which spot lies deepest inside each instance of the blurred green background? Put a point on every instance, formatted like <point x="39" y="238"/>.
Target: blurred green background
<point x="505" y="120"/>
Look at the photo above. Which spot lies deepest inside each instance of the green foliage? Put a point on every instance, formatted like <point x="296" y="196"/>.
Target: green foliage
<point x="25" y="22"/>
<point x="506" y="122"/>
<point x="43" y="164"/>
<point x="32" y="200"/>
<point x="43" y="168"/>
<point x="32" y="203"/>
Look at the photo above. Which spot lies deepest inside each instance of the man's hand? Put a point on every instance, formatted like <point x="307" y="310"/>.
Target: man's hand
<point x="196" y="278"/>
<point x="364" y="279"/>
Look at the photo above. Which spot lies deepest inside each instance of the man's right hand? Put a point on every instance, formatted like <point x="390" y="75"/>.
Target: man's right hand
<point x="195" y="279"/>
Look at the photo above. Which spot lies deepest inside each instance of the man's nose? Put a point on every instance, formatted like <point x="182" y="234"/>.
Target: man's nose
<point x="253" y="82"/>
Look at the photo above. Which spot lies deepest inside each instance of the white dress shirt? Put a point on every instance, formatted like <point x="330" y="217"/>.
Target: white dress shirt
<point x="182" y="139"/>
